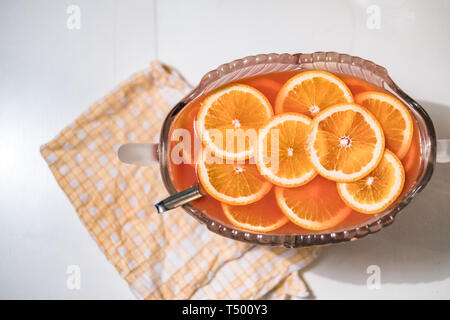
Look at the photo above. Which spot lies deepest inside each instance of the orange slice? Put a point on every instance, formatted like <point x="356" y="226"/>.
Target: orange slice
<point x="310" y="92"/>
<point x="280" y="154"/>
<point x="314" y="206"/>
<point x="394" y="118"/>
<point x="261" y="216"/>
<point x="231" y="182"/>
<point x="378" y="190"/>
<point x="229" y="118"/>
<point x="346" y="143"/>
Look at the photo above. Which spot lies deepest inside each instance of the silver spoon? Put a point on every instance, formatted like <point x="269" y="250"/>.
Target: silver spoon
<point x="178" y="199"/>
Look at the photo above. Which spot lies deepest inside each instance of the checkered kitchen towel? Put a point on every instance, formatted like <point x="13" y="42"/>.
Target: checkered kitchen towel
<point x="169" y="256"/>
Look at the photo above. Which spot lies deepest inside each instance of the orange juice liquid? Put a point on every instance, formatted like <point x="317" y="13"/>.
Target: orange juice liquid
<point x="184" y="175"/>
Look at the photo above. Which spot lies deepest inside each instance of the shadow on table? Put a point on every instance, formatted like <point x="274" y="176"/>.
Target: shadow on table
<point x="416" y="248"/>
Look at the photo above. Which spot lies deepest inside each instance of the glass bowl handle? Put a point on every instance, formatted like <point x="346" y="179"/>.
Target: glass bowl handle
<point x="143" y="154"/>
<point x="443" y="151"/>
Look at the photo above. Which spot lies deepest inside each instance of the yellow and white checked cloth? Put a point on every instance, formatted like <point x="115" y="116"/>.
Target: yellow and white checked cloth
<point x="168" y="256"/>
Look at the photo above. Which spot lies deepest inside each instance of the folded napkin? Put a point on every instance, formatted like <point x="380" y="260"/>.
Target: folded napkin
<point x="168" y="256"/>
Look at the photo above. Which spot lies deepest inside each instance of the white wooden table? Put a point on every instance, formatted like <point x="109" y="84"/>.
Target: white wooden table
<point x="51" y="71"/>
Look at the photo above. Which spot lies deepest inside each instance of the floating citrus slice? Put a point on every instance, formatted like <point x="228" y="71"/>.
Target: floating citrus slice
<point x="346" y="143"/>
<point x="229" y="118"/>
<point x="394" y="118"/>
<point x="280" y="152"/>
<point x="260" y="216"/>
<point x="231" y="182"/>
<point x="310" y="92"/>
<point x="375" y="192"/>
<point x="313" y="206"/>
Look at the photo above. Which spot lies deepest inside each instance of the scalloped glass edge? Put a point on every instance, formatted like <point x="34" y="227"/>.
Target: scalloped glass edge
<point x="328" y="61"/>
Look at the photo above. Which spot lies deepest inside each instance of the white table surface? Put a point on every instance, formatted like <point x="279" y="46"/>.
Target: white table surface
<point x="50" y="74"/>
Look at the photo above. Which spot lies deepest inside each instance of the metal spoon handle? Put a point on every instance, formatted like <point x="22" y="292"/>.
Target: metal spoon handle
<point x="178" y="199"/>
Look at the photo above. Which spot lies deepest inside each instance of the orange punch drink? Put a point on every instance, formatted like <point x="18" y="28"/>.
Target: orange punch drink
<point x="295" y="151"/>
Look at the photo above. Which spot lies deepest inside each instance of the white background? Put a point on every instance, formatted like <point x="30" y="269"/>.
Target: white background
<point x="50" y="74"/>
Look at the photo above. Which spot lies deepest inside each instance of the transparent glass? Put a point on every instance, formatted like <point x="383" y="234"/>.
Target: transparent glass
<point x="329" y="61"/>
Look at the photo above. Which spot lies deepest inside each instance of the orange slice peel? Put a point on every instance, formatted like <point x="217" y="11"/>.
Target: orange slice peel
<point x="280" y="152"/>
<point x="378" y="190"/>
<point x="394" y="118"/>
<point x="346" y="143"/>
<point x="310" y="92"/>
<point x="306" y="206"/>
<point x="256" y="216"/>
<point x="231" y="182"/>
<point x="231" y="114"/>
